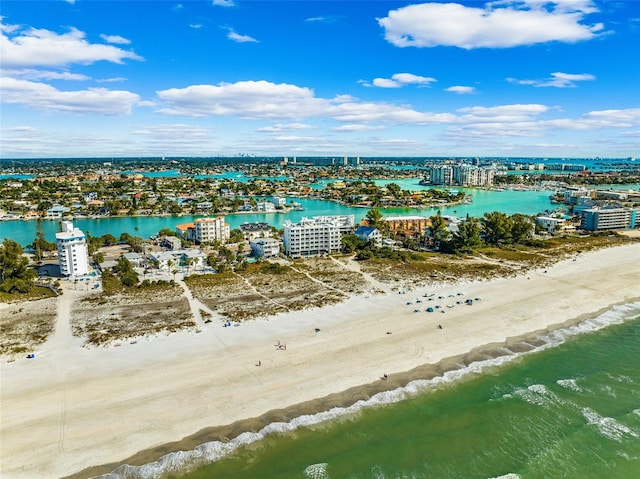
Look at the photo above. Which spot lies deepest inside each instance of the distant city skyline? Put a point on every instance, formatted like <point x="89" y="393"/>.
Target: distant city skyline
<point x="525" y="78"/>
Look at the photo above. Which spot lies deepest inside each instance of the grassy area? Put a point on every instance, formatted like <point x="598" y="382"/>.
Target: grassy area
<point x="36" y="293"/>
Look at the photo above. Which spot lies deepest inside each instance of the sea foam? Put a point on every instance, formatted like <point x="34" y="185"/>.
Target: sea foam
<point x="185" y="461"/>
<point x="608" y="426"/>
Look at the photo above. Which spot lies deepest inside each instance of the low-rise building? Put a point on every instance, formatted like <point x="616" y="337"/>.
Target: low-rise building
<point x="550" y="224"/>
<point x="369" y="233"/>
<point x="171" y="242"/>
<point x="266" y="206"/>
<point x="407" y="224"/>
<point x="265" y="247"/>
<point x="252" y="231"/>
<point x="57" y="211"/>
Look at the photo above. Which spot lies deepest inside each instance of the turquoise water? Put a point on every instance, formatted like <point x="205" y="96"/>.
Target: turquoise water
<point x="569" y="409"/>
<point x="527" y="202"/>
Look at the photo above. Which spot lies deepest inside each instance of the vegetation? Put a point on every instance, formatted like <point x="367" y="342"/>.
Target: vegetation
<point x="15" y="274"/>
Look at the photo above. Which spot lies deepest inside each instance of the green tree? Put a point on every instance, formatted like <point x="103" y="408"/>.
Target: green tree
<point x="496" y="228"/>
<point x="125" y="272"/>
<point x="394" y="189"/>
<point x="438" y="230"/>
<point x="522" y="228"/>
<point x="40" y="245"/>
<point x="15" y="275"/>
<point x="467" y="237"/>
<point x="108" y="239"/>
<point x="98" y="257"/>
<point x="374" y="218"/>
<point x="235" y="236"/>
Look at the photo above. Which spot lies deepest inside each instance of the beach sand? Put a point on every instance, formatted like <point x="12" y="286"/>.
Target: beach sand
<point x="71" y="407"/>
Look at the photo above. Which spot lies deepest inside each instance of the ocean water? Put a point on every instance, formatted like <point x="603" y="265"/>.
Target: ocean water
<point x="567" y="408"/>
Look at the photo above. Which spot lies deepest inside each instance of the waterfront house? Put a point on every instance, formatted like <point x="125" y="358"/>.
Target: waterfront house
<point x="369" y="233"/>
<point x="265" y="247"/>
<point x="550" y="224"/>
<point x="266" y="206"/>
<point x="57" y="211"/>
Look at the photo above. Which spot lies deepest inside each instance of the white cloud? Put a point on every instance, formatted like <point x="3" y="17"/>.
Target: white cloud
<point x="245" y="99"/>
<point x="224" y="3"/>
<point x="627" y="118"/>
<point x="502" y="113"/>
<point x="33" y="74"/>
<point x="498" y="25"/>
<point x="238" y="38"/>
<point x="195" y="25"/>
<point x="358" y="127"/>
<point x="285" y="127"/>
<point x="558" y="80"/>
<point x="266" y="100"/>
<point x="41" y="96"/>
<point x="398" y="80"/>
<point x="111" y="80"/>
<point x="177" y="130"/>
<point x="385" y="83"/>
<point x="324" y="19"/>
<point x="461" y="90"/>
<point x="43" y="48"/>
<point x="115" y="39"/>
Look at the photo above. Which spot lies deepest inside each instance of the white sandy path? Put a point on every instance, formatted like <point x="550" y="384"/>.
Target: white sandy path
<point x="119" y="401"/>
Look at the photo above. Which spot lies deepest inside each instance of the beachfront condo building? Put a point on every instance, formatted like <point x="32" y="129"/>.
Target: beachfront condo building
<point x="608" y="218"/>
<point x="205" y="230"/>
<point x="315" y="236"/>
<point x="73" y="254"/>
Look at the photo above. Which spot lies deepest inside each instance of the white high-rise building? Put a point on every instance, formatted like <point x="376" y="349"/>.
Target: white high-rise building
<point x="73" y="254"/>
<point x="319" y="235"/>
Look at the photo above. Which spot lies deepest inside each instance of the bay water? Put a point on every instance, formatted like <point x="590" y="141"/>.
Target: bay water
<point x="568" y="407"/>
<point x="510" y="202"/>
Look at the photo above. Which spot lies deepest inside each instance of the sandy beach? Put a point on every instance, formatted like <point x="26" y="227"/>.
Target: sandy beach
<point x="72" y="408"/>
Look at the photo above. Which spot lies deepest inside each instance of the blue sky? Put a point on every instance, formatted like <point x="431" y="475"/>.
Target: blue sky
<point x="526" y="78"/>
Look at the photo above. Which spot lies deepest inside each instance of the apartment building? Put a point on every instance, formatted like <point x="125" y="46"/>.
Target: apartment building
<point x="205" y="230"/>
<point x="73" y="254"/>
<point x="607" y="218"/>
<point x="315" y="236"/>
<point x="461" y="174"/>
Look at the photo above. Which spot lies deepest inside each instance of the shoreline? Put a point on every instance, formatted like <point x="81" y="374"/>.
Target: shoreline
<point x="511" y="349"/>
<point x="74" y="408"/>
